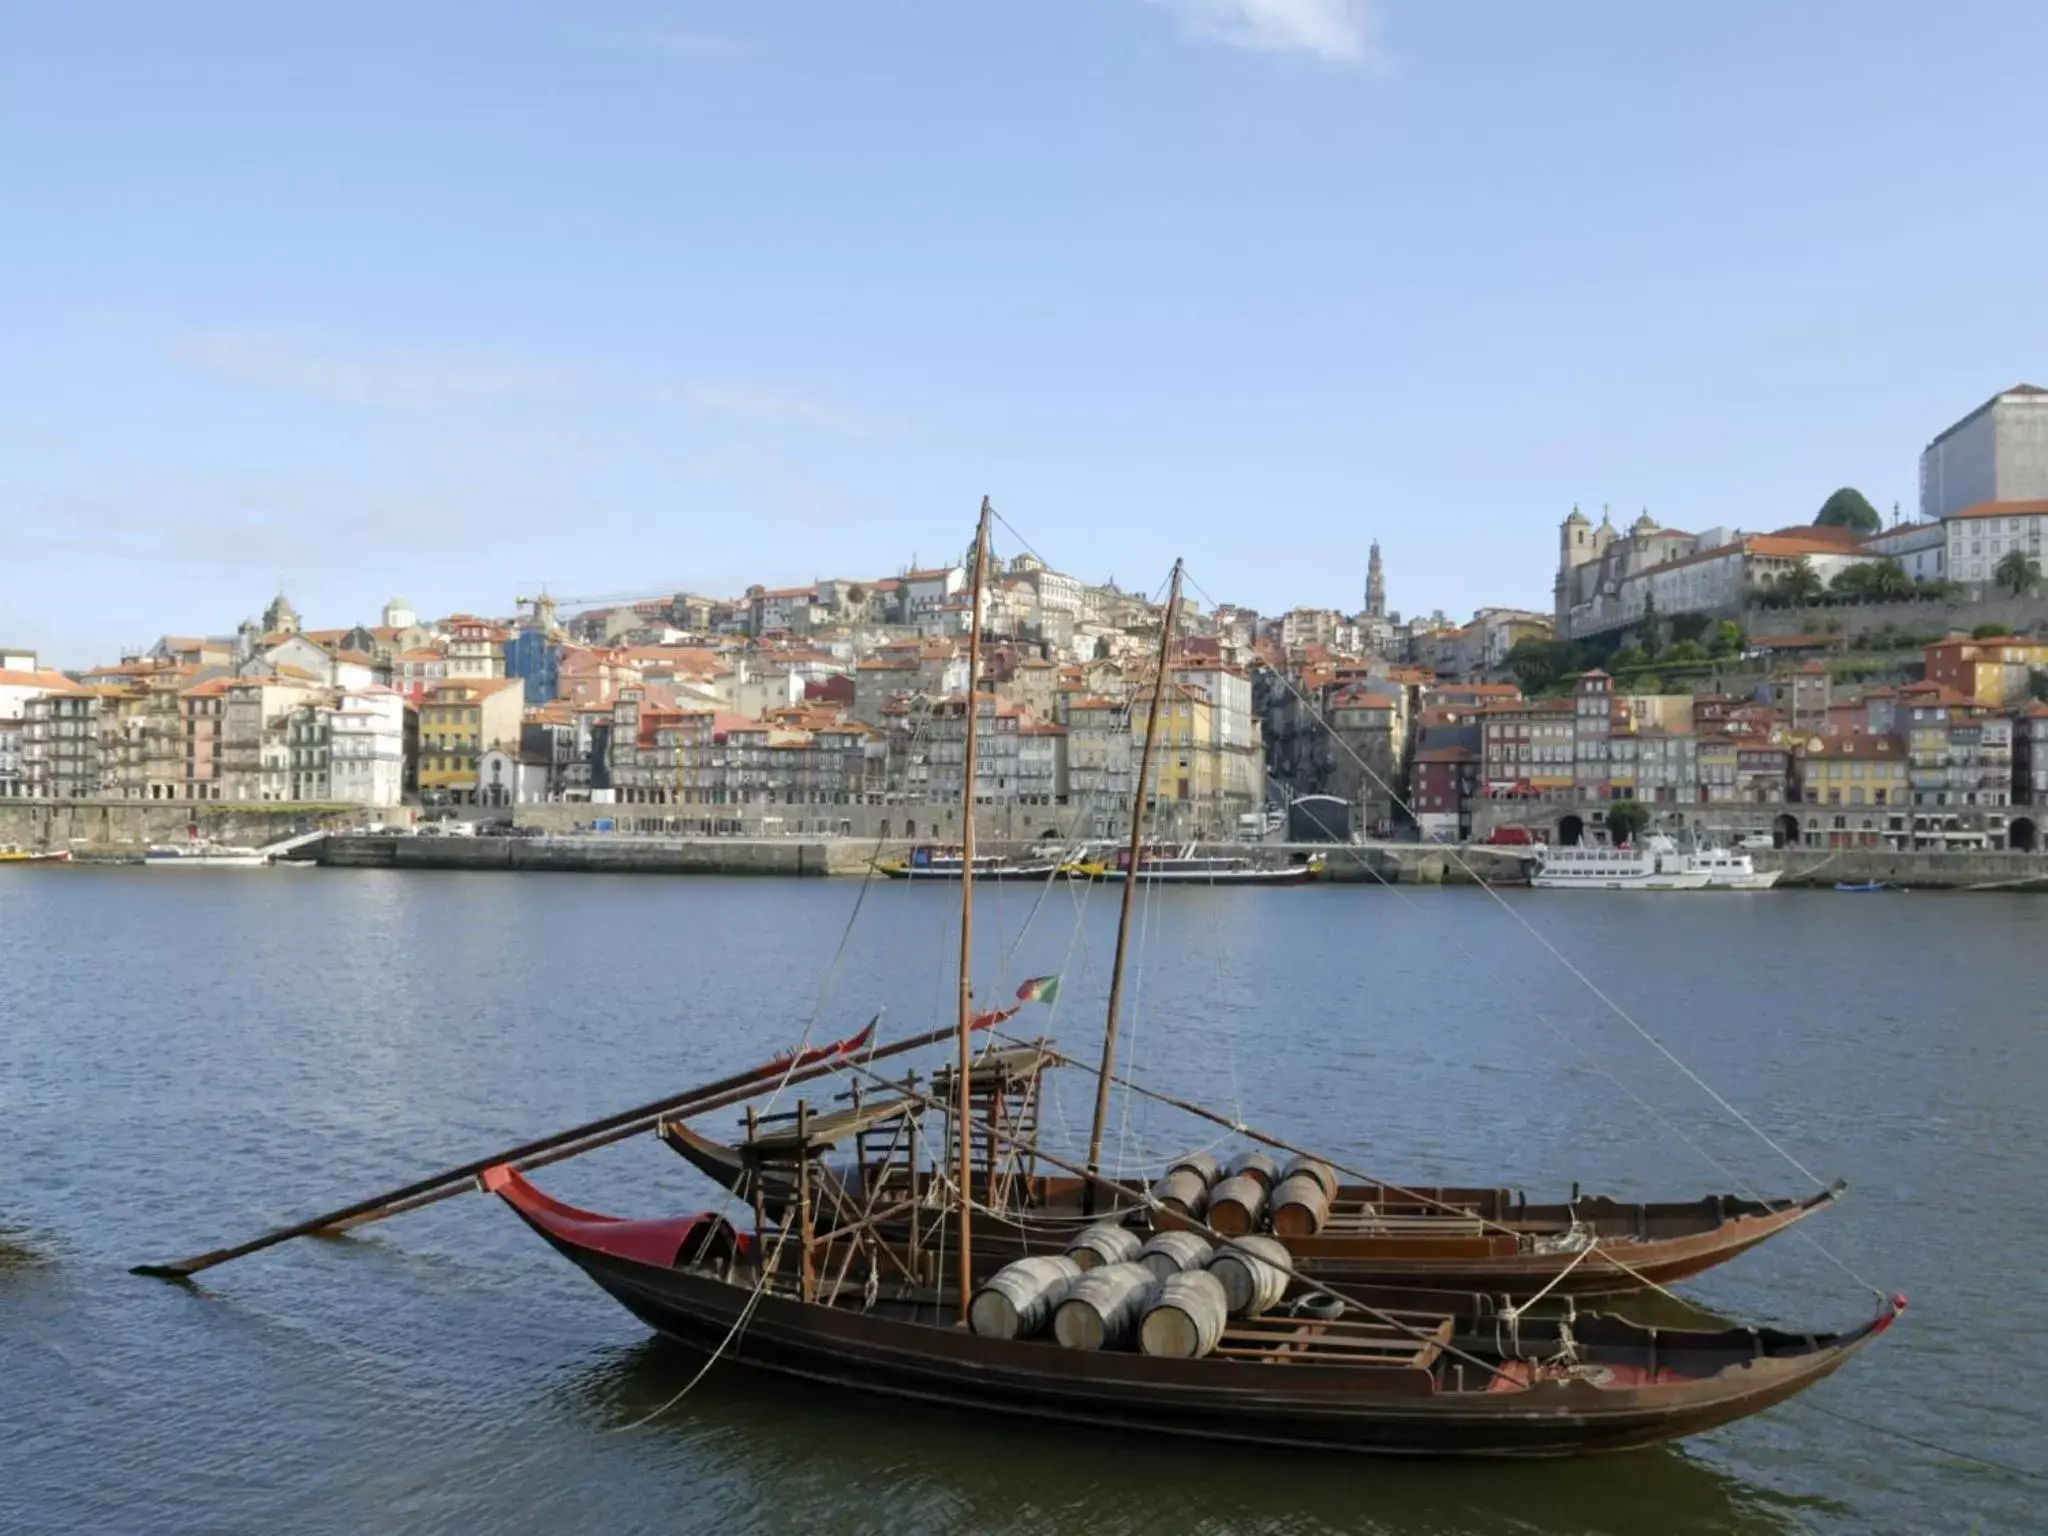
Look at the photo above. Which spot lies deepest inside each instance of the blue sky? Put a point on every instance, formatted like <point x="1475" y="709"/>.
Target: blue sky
<point x="450" y="299"/>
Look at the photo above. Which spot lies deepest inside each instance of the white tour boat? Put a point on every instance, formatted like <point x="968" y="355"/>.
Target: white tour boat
<point x="1728" y="870"/>
<point x="202" y="855"/>
<point x="1656" y="865"/>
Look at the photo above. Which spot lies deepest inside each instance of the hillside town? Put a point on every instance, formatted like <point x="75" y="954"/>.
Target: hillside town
<point x="1831" y="684"/>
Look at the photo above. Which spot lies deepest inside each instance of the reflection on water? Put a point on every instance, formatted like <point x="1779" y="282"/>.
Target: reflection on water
<point x="241" y="1052"/>
<point x="830" y="1450"/>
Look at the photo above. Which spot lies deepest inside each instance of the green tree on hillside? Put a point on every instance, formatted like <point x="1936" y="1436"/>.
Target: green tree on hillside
<point x="1684" y="653"/>
<point x="1849" y="508"/>
<point x="2017" y="572"/>
<point x="1889" y="581"/>
<point x="1801" y="584"/>
<point x="1626" y="820"/>
<point x="1728" y="640"/>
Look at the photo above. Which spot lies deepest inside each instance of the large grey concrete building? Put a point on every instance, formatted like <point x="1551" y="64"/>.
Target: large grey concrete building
<point x="1999" y="452"/>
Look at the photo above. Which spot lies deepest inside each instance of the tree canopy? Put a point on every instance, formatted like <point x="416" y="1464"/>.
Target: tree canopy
<point x="1626" y="820"/>
<point x="2017" y="572"/>
<point x="1849" y="508"/>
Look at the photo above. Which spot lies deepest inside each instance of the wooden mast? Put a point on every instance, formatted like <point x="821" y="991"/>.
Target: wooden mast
<point x="1123" y="926"/>
<point x="960" y="1085"/>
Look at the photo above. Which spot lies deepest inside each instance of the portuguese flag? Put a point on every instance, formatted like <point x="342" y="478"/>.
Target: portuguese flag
<point x="1039" y="989"/>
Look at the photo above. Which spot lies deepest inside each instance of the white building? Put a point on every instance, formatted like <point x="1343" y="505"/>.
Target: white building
<point x="923" y="592"/>
<point x="367" y="747"/>
<point x="1976" y="538"/>
<point x="1922" y="548"/>
<point x="1999" y="452"/>
<point x="505" y="778"/>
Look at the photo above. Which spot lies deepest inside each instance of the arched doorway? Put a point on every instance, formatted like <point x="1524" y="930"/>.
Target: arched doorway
<point x="1785" y="831"/>
<point x="1569" y="830"/>
<point x="2021" y="833"/>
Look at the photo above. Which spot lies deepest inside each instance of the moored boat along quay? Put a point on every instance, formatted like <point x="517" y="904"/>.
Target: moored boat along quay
<point x="1348" y="864"/>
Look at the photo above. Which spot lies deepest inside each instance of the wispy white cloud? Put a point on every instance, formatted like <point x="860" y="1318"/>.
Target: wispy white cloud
<point x="308" y="367"/>
<point x="1341" y="32"/>
<point x="698" y="45"/>
<point x="300" y="365"/>
<point x="760" y="403"/>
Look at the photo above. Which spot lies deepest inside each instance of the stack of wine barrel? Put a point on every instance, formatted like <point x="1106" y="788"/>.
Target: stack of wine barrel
<point x="1170" y="1294"/>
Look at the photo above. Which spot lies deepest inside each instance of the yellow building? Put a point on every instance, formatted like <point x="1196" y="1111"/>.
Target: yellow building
<point x="460" y="720"/>
<point x="1857" y="770"/>
<point x="1184" y="758"/>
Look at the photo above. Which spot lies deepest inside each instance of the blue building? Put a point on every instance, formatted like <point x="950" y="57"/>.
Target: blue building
<point x="531" y="655"/>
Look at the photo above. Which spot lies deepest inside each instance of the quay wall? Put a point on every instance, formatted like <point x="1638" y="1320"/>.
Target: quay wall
<point x="128" y="826"/>
<point x="1352" y="864"/>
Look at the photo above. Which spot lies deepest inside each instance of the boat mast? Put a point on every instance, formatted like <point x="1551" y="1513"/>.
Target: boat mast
<point x="1123" y="926"/>
<point x="967" y="918"/>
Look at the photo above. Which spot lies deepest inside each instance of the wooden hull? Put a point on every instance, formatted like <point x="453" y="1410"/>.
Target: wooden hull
<point x="1636" y="1387"/>
<point x="1664" y="1243"/>
<point x="901" y="871"/>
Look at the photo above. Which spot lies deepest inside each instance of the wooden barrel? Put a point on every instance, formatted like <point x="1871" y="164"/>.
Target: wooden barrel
<point x="1104" y="1243"/>
<point x="1104" y="1306"/>
<point x="1182" y="1192"/>
<point x="1236" y="1204"/>
<point x="1300" y="1206"/>
<point x="1172" y="1253"/>
<point x="1017" y="1301"/>
<point x="1202" y="1164"/>
<point x="1253" y="1274"/>
<point x="1185" y="1317"/>
<point x="1316" y="1169"/>
<point x="1258" y="1165"/>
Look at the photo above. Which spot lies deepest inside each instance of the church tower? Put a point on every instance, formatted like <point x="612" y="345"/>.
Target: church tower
<point x="1375" y="585"/>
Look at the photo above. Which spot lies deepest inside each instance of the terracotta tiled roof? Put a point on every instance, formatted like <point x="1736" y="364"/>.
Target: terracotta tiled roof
<point x="2032" y="508"/>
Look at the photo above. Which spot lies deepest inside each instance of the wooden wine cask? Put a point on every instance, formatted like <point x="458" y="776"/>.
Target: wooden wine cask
<point x="1301" y="1206"/>
<point x="1103" y="1308"/>
<point x="1182" y="1192"/>
<point x="1253" y="1274"/>
<point x="1202" y="1164"/>
<point x="1018" y="1300"/>
<point x="1258" y="1165"/>
<point x="1315" y="1168"/>
<point x="1236" y="1204"/>
<point x="1173" y="1253"/>
<point x="1104" y="1243"/>
<point x="1185" y="1318"/>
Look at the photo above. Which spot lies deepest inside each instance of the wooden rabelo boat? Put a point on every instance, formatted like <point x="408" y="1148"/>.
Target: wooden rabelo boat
<point x="1433" y="1236"/>
<point x="1406" y="1383"/>
<point x="1196" y="1329"/>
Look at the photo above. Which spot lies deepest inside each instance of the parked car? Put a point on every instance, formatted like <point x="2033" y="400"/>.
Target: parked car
<point x="1511" y="837"/>
<point x="1755" y="840"/>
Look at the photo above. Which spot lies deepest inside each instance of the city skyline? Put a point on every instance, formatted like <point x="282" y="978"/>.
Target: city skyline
<point x="775" y="297"/>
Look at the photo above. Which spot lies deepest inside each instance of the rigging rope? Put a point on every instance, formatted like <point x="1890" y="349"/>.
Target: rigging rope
<point x="1585" y="980"/>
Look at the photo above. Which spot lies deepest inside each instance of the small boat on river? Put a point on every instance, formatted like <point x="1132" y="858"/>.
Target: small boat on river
<point x="1728" y="870"/>
<point x="13" y="853"/>
<point x="1657" y="865"/>
<point x="946" y="863"/>
<point x="202" y="854"/>
<point x="1860" y="887"/>
<point x="1183" y="865"/>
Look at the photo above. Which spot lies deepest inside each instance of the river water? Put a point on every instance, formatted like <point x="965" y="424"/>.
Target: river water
<point x="189" y="1057"/>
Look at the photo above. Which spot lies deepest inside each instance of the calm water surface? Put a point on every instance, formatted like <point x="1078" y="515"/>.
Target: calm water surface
<point x="186" y="1058"/>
